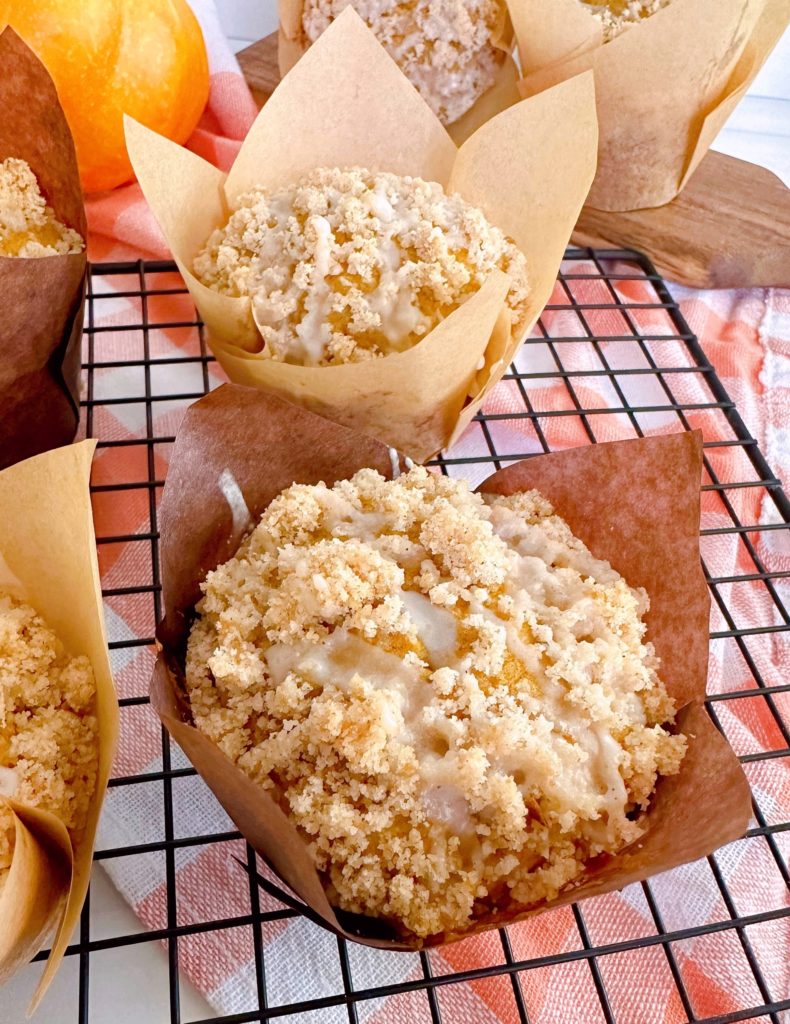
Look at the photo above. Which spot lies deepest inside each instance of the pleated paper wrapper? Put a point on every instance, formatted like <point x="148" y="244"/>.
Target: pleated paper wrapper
<point x="48" y="560"/>
<point x="41" y="300"/>
<point x="528" y="178"/>
<point x="664" y="86"/>
<point x="635" y="503"/>
<point x="292" y="43"/>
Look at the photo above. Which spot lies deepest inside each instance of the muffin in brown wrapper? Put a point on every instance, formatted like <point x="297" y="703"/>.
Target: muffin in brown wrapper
<point x="633" y="503"/>
<point x="48" y="562"/>
<point x="664" y="87"/>
<point x="528" y="179"/>
<point x="41" y="299"/>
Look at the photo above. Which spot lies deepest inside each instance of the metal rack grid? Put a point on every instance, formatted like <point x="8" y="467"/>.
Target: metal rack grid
<point x="614" y="309"/>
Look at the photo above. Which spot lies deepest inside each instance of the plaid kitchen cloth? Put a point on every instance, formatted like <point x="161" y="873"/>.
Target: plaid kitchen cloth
<point x="746" y="334"/>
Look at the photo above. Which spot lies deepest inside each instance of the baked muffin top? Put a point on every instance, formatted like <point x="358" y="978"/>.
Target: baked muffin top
<point x="450" y="696"/>
<point x="618" y="15"/>
<point x="48" y="730"/>
<point x="28" y="227"/>
<point x="347" y="265"/>
<point x="444" y="47"/>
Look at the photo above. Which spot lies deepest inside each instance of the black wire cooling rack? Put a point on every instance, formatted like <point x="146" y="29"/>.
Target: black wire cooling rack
<point x="143" y="366"/>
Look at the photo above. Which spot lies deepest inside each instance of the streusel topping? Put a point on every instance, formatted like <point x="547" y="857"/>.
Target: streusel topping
<point x="28" y="227"/>
<point x="450" y="696"/>
<point x="48" y="731"/>
<point x="618" y="15"/>
<point x="444" y="47"/>
<point x="349" y="265"/>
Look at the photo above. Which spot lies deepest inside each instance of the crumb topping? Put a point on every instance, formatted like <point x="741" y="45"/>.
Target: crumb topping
<point x="444" y="47"/>
<point x="28" y="227"/>
<point x="349" y="265"/>
<point x="451" y="697"/>
<point x="618" y="15"/>
<point x="48" y="732"/>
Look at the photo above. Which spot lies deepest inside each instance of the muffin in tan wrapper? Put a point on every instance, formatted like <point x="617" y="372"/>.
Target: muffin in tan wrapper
<point x="502" y="93"/>
<point x="634" y="503"/>
<point x="48" y="562"/>
<point x="417" y="399"/>
<point x="41" y="299"/>
<point x="664" y="87"/>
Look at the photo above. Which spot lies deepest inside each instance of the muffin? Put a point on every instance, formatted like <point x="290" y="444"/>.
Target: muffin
<point x="48" y="730"/>
<point x="43" y="262"/>
<point x="654" y="127"/>
<point x="348" y="265"/>
<point x="447" y="49"/>
<point x="617" y="15"/>
<point x="322" y="139"/>
<point x="451" y="698"/>
<point x="28" y="227"/>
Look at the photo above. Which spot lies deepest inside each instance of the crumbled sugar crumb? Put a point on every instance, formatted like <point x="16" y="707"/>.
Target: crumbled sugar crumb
<point x="451" y="697"/>
<point x="348" y="265"/>
<point x="618" y="15"/>
<point x="28" y="227"/>
<point x="444" y="47"/>
<point x="48" y="732"/>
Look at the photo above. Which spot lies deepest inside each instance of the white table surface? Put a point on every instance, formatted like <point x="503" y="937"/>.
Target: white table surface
<point x="129" y="986"/>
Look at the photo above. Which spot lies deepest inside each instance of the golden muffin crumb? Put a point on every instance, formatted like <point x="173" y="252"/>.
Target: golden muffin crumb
<point x="448" y="694"/>
<point x="28" y="227"/>
<point x="48" y="732"/>
<point x="444" y="47"/>
<point x="349" y="264"/>
<point x="618" y="15"/>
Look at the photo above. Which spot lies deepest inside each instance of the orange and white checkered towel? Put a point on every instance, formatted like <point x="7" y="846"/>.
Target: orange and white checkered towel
<point x="747" y="337"/>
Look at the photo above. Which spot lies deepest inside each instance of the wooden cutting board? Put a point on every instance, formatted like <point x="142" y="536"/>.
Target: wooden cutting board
<point x="729" y="228"/>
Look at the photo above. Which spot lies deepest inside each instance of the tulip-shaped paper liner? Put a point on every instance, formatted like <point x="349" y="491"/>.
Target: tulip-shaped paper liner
<point x="663" y="87"/>
<point x="527" y="176"/>
<point x="292" y="43"/>
<point x="635" y="503"/>
<point x="41" y="300"/>
<point x="48" y="560"/>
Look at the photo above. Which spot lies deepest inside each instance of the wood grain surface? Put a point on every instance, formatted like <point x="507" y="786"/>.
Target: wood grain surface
<point x="729" y="228"/>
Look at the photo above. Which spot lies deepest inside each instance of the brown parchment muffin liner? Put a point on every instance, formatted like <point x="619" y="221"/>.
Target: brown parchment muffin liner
<point x="664" y="87"/>
<point x="48" y="560"/>
<point x="292" y="43"/>
<point x="41" y="300"/>
<point x="635" y="503"/>
<point x="527" y="177"/>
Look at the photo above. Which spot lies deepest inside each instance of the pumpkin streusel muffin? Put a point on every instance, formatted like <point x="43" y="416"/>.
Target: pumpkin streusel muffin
<point x="618" y="15"/>
<point x="449" y="695"/>
<point x="444" y="47"/>
<point x="28" y="227"/>
<point x="48" y="731"/>
<point x="347" y="265"/>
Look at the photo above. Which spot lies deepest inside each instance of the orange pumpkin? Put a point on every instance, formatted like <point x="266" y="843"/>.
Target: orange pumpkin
<point x="146" y="58"/>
